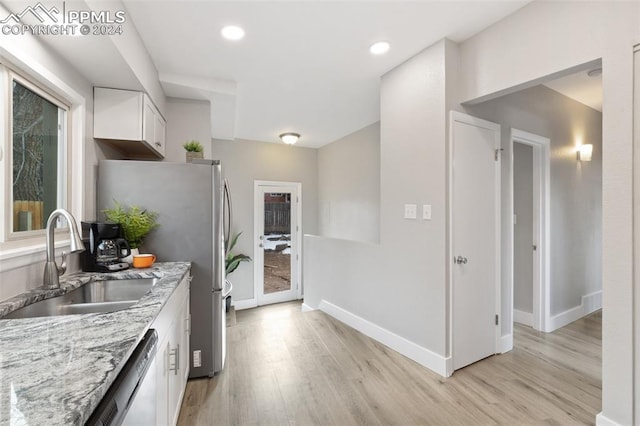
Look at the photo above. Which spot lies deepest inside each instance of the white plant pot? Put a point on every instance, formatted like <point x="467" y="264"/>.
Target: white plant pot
<point x="129" y="259"/>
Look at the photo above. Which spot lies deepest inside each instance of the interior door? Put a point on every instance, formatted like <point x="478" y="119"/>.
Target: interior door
<point x="475" y="228"/>
<point x="277" y="240"/>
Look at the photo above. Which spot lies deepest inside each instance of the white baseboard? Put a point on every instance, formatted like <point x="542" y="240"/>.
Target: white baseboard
<point x="602" y="420"/>
<point x="306" y="308"/>
<point x="590" y="303"/>
<point x="422" y="356"/>
<point x="244" y="304"/>
<point x="505" y="344"/>
<point x="521" y="317"/>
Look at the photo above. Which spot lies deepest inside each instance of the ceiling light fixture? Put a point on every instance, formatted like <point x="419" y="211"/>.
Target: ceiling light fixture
<point x="597" y="72"/>
<point x="379" y="48"/>
<point x="232" y="32"/>
<point x="290" y="138"/>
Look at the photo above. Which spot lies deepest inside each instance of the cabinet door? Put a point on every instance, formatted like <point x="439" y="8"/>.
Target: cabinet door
<point x="149" y="117"/>
<point x="162" y="384"/>
<point x="178" y="361"/>
<point x="159" y="133"/>
<point x="117" y="114"/>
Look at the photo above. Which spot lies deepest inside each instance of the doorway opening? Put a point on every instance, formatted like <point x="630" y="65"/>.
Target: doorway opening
<point x="277" y="223"/>
<point x="530" y="210"/>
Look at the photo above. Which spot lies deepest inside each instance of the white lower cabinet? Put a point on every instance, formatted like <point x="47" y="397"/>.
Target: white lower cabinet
<point x="171" y="362"/>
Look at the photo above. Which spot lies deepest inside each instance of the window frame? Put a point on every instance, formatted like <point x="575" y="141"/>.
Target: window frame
<point x="63" y="160"/>
<point x="24" y="252"/>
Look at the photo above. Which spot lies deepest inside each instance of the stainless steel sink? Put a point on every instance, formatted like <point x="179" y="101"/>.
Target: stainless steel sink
<point x="96" y="296"/>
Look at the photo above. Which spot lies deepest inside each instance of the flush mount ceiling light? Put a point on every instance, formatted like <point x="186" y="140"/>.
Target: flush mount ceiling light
<point x="379" y="48"/>
<point x="290" y="138"/>
<point x="597" y="72"/>
<point x="232" y="32"/>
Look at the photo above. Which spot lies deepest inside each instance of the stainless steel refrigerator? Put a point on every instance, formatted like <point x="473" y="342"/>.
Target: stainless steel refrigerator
<point x="193" y="206"/>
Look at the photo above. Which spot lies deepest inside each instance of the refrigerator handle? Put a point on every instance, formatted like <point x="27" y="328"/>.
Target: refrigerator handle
<point x="228" y="218"/>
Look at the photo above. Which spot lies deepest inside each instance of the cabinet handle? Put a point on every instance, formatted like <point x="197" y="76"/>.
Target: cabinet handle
<point x="176" y="356"/>
<point x="158" y="144"/>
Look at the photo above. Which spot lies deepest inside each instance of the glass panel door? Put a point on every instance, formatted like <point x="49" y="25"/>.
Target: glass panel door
<point x="277" y="242"/>
<point x="277" y="255"/>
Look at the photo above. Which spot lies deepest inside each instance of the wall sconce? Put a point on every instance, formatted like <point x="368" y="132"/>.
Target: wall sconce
<point x="290" y="138"/>
<point x="585" y="152"/>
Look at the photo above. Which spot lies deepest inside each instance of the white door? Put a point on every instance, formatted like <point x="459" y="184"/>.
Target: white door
<point x="475" y="243"/>
<point x="277" y="242"/>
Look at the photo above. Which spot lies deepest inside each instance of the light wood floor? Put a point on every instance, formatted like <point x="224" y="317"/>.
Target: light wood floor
<point x="290" y="368"/>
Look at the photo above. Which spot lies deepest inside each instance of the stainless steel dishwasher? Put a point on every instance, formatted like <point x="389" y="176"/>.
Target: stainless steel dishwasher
<point x="131" y="398"/>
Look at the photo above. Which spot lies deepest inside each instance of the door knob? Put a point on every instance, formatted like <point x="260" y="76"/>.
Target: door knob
<point x="460" y="260"/>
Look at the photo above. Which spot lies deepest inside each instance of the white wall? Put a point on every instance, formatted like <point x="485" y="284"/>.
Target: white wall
<point x="523" y="228"/>
<point x="187" y="120"/>
<point x="514" y="52"/>
<point x="349" y="186"/>
<point x="245" y="161"/>
<point x="35" y="58"/>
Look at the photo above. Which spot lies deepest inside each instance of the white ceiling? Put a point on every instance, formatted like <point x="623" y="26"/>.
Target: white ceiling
<point x="580" y="87"/>
<point x="303" y="66"/>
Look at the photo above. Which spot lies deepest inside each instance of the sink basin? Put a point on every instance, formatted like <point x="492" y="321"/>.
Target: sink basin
<point x="96" y="296"/>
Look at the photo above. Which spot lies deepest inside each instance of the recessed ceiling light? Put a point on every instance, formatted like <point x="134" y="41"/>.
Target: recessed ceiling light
<point x="232" y="32"/>
<point x="290" y="138"/>
<point x="379" y="48"/>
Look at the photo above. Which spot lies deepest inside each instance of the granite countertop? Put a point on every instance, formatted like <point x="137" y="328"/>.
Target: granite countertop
<point x="55" y="370"/>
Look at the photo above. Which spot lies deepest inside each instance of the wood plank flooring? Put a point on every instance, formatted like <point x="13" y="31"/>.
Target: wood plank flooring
<point x="290" y="368"/>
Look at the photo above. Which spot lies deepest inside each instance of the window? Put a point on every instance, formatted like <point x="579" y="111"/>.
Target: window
<point x="38" y="154"/>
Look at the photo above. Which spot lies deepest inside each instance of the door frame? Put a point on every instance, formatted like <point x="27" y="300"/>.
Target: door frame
<point x="541" y="224"/>
<point x="296" y="240"/>
<point x="474" y="121"/>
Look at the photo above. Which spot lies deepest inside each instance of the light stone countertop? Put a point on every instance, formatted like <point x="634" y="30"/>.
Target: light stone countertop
<point x="55" y="370"/>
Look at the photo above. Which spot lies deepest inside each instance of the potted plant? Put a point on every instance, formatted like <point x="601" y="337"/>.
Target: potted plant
<point x="232" y="262"/>
<point x="194" y="150"/>
<point x="135" y="221"/>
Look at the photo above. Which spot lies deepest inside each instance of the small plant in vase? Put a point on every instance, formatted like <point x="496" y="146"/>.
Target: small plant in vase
<point x="136" y="223"/>
<point x="194" y="150"/>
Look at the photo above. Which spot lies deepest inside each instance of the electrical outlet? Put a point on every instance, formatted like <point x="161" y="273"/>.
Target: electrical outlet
<point x="197" y="358"/>
<point x="410" y="211"/>
<point x="426" y="211"/>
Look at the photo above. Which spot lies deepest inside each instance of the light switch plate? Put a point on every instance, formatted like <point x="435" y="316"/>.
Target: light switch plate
<point x="426" y="212"/>
<point x="410" y="211"/>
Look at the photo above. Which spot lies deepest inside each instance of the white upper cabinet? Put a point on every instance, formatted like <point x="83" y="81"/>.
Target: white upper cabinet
<point x="128" y="121"/>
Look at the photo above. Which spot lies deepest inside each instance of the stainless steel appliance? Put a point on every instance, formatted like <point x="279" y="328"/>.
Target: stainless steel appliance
<point x="104" y="247"/>
<point x="121" y="403"/>
<point x="190" y="200"/>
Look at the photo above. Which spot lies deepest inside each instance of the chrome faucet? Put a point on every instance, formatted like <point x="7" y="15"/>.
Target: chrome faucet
<point x="51" y="270"/>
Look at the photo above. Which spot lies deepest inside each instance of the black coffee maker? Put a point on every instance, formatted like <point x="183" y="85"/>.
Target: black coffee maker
<point x="104" y="246"/>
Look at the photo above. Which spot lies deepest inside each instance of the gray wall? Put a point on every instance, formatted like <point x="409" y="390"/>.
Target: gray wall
<point x="245" y="161"/>
<point x="349" y="186"/>
<point x="576" y="187"/>
<point x="187" y="120"/>
<point x="523" y="228"/>
<point x="400" y="284"/>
